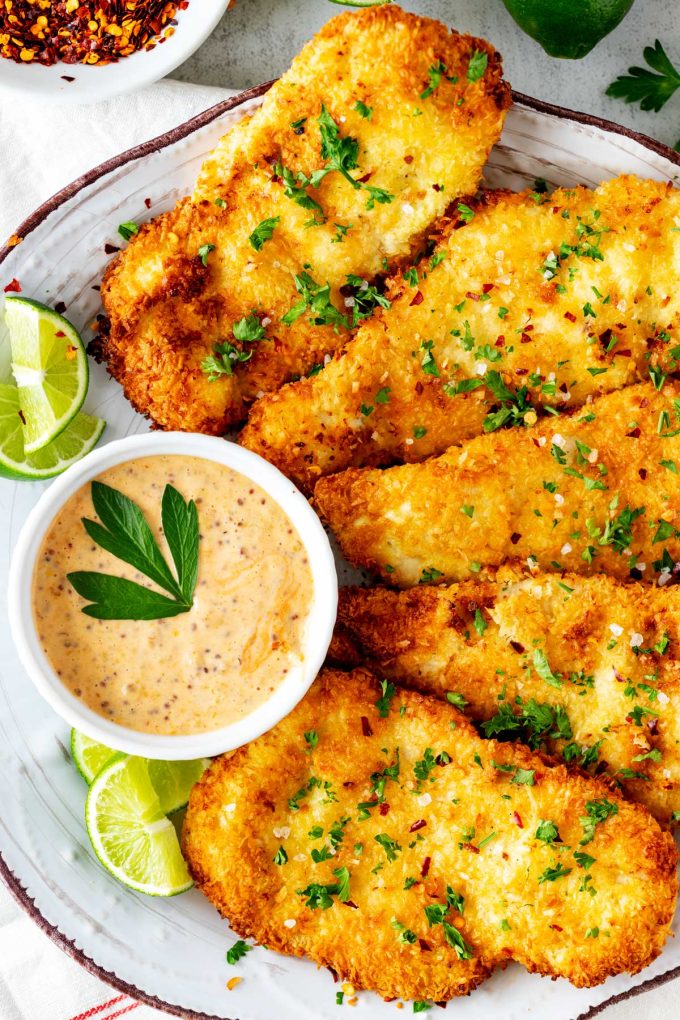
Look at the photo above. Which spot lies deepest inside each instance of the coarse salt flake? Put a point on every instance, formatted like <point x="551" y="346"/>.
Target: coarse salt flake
<point x="566" y="549"/>
<point x="424" y="799"/>
<point x="636" y="640"/>
<point x="616" y="630"/>
<point x="282" y="832"/>
<point x="290" y="922"/>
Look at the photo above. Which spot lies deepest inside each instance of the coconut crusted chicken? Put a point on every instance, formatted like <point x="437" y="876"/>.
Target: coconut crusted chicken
<point x="527" y="301"/>
<point x="383" y="119"/>
<point x="594" y="491"/>
<point x="376" y="833"/>
<point x="584" y="667"/>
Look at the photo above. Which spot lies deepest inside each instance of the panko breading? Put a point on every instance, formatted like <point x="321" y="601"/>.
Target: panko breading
<point x="548" y="299"/>
<point x="592" y="491"/>
<point x="383" y="838"/>
<point x="586" y="667"/>
<point x="410" y="111"/>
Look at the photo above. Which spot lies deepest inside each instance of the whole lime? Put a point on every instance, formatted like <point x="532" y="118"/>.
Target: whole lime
<point x="568" y="28"/>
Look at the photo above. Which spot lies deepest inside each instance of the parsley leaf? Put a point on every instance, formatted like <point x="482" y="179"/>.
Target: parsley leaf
<point x="237" y="951"/>
<point x="641" y="86"/>
<point x="385" y="700"/>
<point x="477" y="65"/>
<point x="365" y="111"/>
<point x="435" y="74"/>
<point x="552" y="874"/>
<point x="542" y="667"/>
<point x="263" y="232"/>
<point x="128" y="230"/>
<point x="125" y="533"/>
<point x="204" y="251"/>
<point x="317" y="300"/>
<point x="597" y="811"/>
<point x="340" y="152"/>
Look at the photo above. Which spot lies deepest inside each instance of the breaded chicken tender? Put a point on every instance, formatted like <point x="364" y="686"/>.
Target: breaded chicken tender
<point x="592" y="491"/>
<point x="379" y="835"/>
<point x="584" y="667"/>
<point x="382" y="120"/>
<point x="535" y="301"/>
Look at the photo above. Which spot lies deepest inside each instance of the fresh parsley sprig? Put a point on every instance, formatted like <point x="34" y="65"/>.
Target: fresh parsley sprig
<point x="125" y="533"/>
<point x="650" y="90"/>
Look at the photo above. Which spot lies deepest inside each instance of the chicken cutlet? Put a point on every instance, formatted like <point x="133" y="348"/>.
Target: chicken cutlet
<point x="584" y="667"/>
<point x="373" y="831"/>
<point x="592" y="491"/>
<point x="382" y="120"/>
<point x="528" y="300"/>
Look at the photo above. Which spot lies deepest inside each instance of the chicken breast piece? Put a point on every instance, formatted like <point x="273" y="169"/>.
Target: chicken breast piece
<point x="584" y="667"/>
<point x="547" y="299"/>
<point x="379" y="836"/>
<point x="589" y="492"/>
<point x="382" y="120"/>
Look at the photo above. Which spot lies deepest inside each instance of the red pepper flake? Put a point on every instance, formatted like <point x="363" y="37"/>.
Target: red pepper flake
<point x="417" y="298"/>
<point x="529" y="328"/>
<point x="517" y="820"/>
<point x="437" y="187"/>
<point x="653" y="725"/>
<point x="425" y="946"/>
<point x="555" y="927"/>
<point x="515" y="537"/>
<point x="22" y="417"/>
<point x="350" y="903"/>
<point x="425" y="869"/>
<point x="98" y="32"/>
<point x="366" y="727"/>
<point x="473" y="297"/>
<point x="408" y="159"/>
<point x="59" y="331"/>
<point x="384" y="808"/>
<point x="13" y="287"/>
<point x="420" y="824"/>
<point x="525" y="338"/>
<point x="147" y="203"/>
<point x="67" y="77"/>
<point x="419" y="387"/>
<point x="634" y="433"/>
<point x="517" y="647"/>
<point x="644" y="402"/>
<point x="366" y="177"/>
<point x="521" y="371"/>
<point x="110" y="249"/>
<point x="487" y="288"/>
<point x="622" y="354"/>
<point x="642" y="473"/>
<point x="570" y="316"/>
<point x="60" y="307"/>
<point x="500" y="341"/>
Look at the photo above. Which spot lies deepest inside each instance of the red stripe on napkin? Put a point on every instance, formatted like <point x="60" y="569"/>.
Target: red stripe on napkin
<point x="97" y="1009"/>
<point x="128" y="1009"/>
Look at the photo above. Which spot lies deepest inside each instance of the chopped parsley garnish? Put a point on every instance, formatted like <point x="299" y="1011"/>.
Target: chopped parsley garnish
<point x="280" y="857"/>
<point x="128" y="230"/>
<point x="542" y="667"/>
<point x="378" y="195"/>
<point x="237" y="951"/>
<point x="429" y="574"/>
<point x="477" y="65"/>
<point x="479" y="623"/>
<point x="435" y="74"/>
<point x="295" y="187"/>
<point x="204" y="251"/>
<point x="533" y="722"/>
<point x="428" y="364"/>
<point x="249" y="329"/>
<point x="465" y="212"/>
<point x="389" y="845"/>
<point x="514" y="403"/>
<point x="341" y="153"/>
<point x="552" y="874"/>
<point x="597" y="811"/>
<point x="320" y="897"/>
<point x="384" y="702"/>
<point x="419" y="431"/>
<point x="456" y="941"/>
<point x="222" y="360"/>
<point x="311" y="739"/>
<point x="547" y="832"/>
<point x="317" y="300"/>
<point x="456" y="699"/>
<point x="405" y="934"/>
<point x="263" y="232"/>
<point x="365" y="111"/>
<point x="584" y="860"/>
<point x="366" y="298"/>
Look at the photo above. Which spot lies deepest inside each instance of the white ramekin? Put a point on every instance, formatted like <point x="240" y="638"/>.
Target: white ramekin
<point x="318" y="631"/>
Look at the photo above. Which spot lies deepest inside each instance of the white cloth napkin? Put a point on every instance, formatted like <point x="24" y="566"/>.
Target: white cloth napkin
<point x="41" y="150"/>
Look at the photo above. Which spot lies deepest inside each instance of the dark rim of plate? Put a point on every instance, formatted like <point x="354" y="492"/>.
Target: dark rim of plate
<point x="15" y="887"/>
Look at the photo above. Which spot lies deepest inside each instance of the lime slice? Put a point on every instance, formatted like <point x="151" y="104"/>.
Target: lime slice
<point x="50" y="367"/>
<point x="130" y="833"/>
<point x="89" y="757"/>
<point x="172" y="780"/>
<point x="74" y="442"/>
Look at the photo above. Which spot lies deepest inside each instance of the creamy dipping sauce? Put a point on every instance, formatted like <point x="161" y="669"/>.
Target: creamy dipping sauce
<point x="205" y="668"/>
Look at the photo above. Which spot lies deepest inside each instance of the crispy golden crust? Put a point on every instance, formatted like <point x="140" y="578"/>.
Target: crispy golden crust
<point x="239" y="815"/>
<point x="556" y="332"/>
<point x="585" y="627"/>
<point x="167" y="310"/>
<point x="508" y="495"/>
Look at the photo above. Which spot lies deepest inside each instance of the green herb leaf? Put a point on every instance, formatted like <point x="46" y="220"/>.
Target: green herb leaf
<point x="125" y="533"/>
<point x="204" y="251"/>
<point x="477" y="65"/>
<point x="641" y="86"/>
<point x="237" y="951"/>
<point x="264" y="232"/>
<point x="128" y="230"/>
<point x="365" y="111"/>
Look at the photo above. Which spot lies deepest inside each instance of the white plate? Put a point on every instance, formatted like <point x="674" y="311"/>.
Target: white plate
<point x="172" y="953"/>
<point x="92" y="83"/>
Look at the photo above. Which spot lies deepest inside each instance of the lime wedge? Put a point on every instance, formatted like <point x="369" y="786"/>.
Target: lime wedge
<point x="172" y="780"/>
<point x="50" y="367"/>
<point x="89" y="757"/>
<point x="73" y="443"/>
<point x="130" y="833"/>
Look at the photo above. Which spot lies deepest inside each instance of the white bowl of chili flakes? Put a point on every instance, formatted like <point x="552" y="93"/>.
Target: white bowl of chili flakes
<point x="82" y="51"/>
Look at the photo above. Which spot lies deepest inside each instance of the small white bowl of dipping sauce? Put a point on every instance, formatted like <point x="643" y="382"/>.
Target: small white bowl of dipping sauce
<point x="216" y="676"/>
